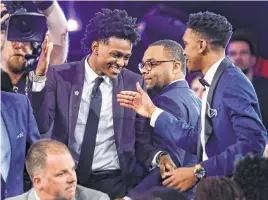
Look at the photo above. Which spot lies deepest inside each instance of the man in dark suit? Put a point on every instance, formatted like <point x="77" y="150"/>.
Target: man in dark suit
<point x="163" y="69"/>
<point x="52" y="171"/>
<point x="105" y="139"/>
<point x="18" y="126"/>
<point x="230" y="122"/>
<point x="243" y="53"/>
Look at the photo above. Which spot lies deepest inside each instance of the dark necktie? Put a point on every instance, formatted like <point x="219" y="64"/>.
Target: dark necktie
<point x="204" y="82"/>
<point x="89" y="140"/>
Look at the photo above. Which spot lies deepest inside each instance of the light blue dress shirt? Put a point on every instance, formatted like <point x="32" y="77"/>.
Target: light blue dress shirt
<point x="5" y="151"/>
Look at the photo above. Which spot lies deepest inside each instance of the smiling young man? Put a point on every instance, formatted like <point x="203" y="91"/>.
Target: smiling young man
<point x="105" y="139"/>
<point x="52" y="171"/>
<point x="229" y="126"/>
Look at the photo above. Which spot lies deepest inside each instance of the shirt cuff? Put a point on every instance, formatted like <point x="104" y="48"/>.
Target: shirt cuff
<point x="38" y="87"/>
<point x="154" y="164"/>
<point x="127" y="198"/>
<point x="155" y="115"/>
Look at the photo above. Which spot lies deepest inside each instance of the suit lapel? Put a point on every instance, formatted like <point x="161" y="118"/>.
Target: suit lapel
<point x="208" y="120"/>
<point x="76" y="94"/>
<point x="118" y="111"/>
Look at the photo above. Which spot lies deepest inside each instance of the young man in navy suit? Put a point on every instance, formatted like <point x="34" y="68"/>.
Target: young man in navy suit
<point x="230" y="123"/>
<point x="163" y="68"/>
<point x="105" y="139"/>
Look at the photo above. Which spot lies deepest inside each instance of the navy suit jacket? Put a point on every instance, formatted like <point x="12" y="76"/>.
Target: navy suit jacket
<point x="179" y="100"/>
<point x="59" y="101"/>
<point x="21" y="127"/>
<point x="236" y="129"/>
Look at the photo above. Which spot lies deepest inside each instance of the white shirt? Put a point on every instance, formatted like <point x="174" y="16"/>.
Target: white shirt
<point x="105" y="154"/>
<point x="5" y="151"/>
<point x="36" y="196"/>
<point x="208" y="77"/>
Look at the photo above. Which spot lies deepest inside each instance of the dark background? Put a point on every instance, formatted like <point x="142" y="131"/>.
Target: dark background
<point x="252" y="16"/>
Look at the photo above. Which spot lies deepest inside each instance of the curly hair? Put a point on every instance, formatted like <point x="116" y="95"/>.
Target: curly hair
<point x="213" y="27"/>
<point x="251" y="175"/>
<point x="217" y="188"/>
<point x="107" y="24"/>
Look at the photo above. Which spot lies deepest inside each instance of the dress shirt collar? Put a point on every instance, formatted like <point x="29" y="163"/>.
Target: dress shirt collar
<point x="212" y="70"/>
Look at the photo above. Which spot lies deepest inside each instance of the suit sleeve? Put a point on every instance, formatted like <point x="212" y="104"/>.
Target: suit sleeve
<point x="145" y="152"/>
<point x="181" y="111"/>
<point x="32" y="131"/>
<point x="104" y="197"/>
<point x="178" y="131"/>
<point x="241" y="103"/>
<point x="44" y="103"/>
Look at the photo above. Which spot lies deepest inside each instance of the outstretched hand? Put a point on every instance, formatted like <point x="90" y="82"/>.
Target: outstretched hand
<point x="44" y="59"/>
<point x="3" y="9"/>
<point x="138" y="101"/>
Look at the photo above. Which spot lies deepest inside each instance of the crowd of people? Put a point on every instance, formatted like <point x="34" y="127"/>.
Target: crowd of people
<point x="119" y="135"/>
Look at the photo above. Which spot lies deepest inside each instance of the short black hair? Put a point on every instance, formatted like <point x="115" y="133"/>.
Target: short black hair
<point x="213" y="27"/>
<point x="110" y="23"/>
<point x="173" y="49"/>
<point x="217" y="188"/>
<point x="245" y="36"/>
<point x="251" y="175"/>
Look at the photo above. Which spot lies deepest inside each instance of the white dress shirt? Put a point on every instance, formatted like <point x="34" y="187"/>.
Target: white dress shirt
<point x="5" y="151"/>
<point x="208" y="77"/>
<point x="105" y="154"/>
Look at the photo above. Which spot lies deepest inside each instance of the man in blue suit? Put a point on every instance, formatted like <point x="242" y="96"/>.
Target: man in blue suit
<point x="163" y="69"/>
<point x="230" y="122"/>
<point x="105" y="139"/>
<point x="18" y="126"/>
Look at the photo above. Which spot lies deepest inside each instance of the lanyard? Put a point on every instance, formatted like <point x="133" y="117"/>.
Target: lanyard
<point x="26" y="89"/>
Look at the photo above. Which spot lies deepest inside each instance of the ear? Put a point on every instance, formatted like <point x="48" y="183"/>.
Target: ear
<point x="202" y="46"/>
<point x="95" y="47"/>
<point x="253" y="60"/>
<point x="37" y="182"/>
<point x="176" y="67"/>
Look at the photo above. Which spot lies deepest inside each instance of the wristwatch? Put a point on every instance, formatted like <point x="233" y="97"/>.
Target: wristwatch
<point x="199" y="171"/>
<point x="162" y="153"/>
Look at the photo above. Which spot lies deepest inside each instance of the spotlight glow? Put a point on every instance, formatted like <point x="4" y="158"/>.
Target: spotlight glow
<point x="73" y="25"/>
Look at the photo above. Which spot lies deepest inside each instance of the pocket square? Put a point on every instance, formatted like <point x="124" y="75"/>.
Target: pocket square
<point x="212" y="112"/>
<point x="20" y="135"/>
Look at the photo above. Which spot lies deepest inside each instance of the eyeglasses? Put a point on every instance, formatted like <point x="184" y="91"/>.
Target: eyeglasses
<point x="150" y="64"/>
